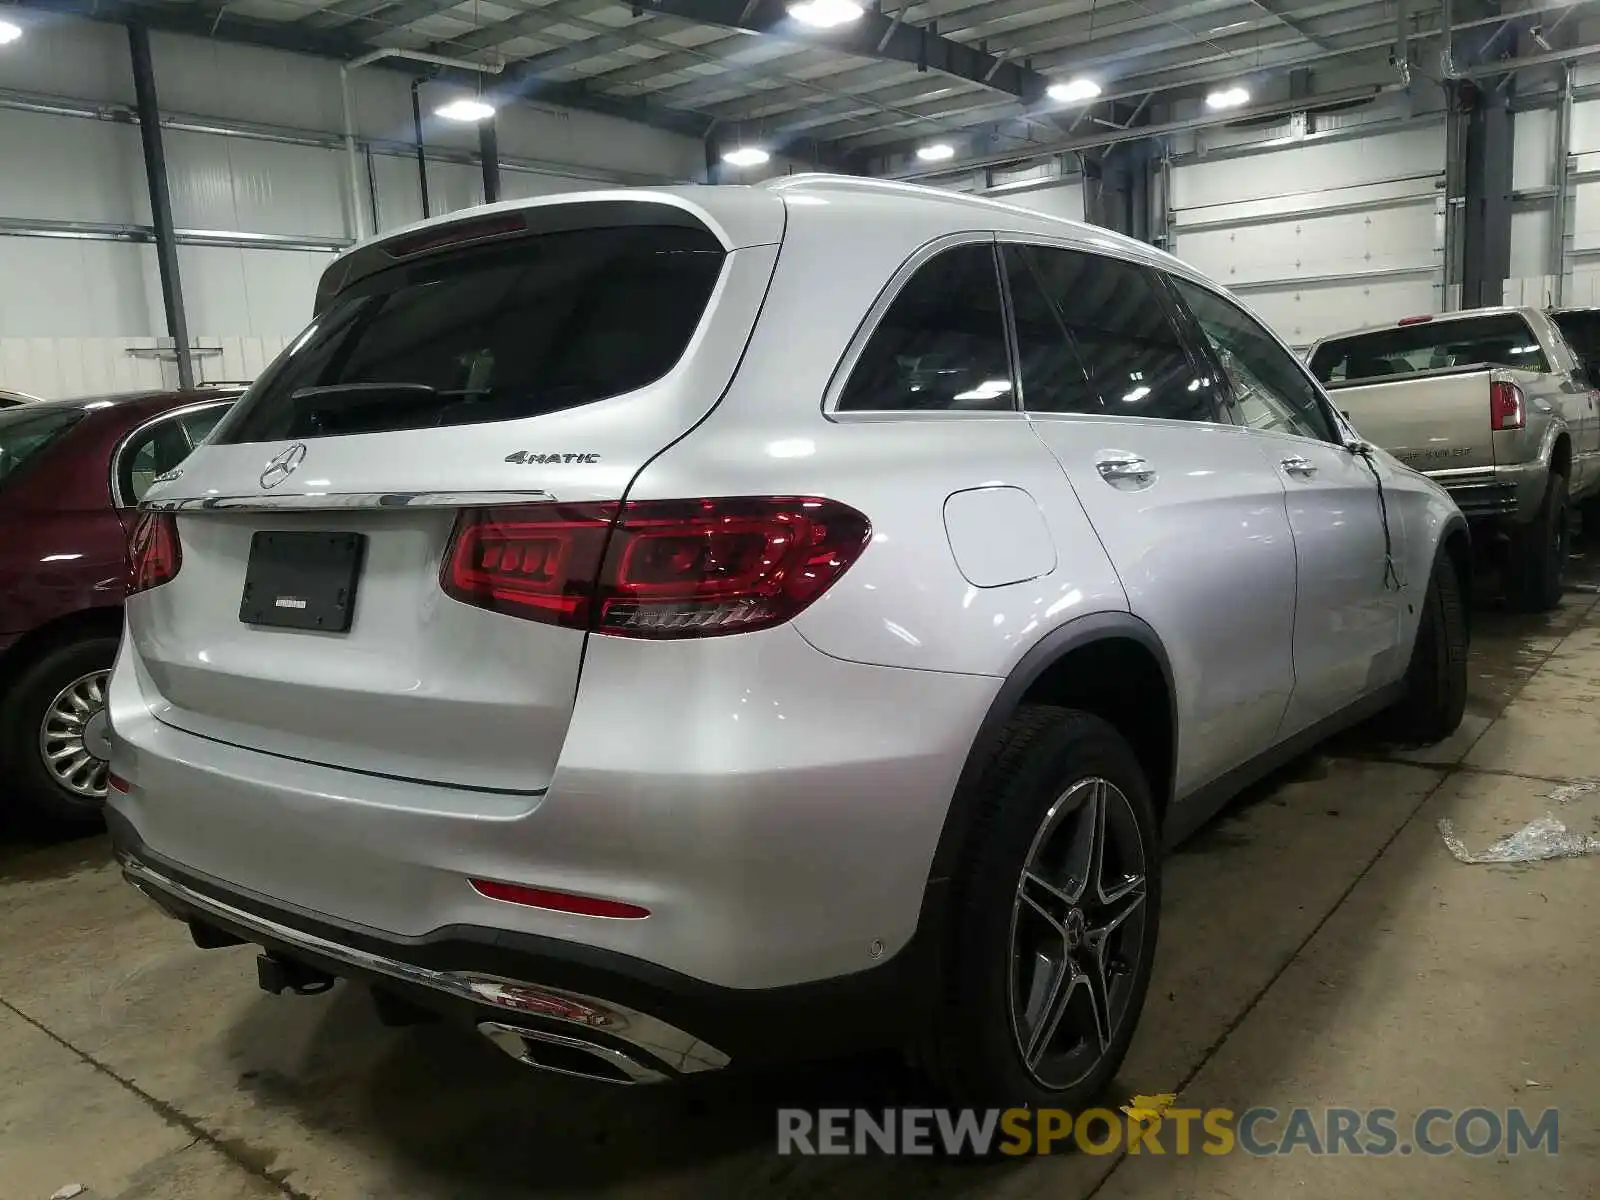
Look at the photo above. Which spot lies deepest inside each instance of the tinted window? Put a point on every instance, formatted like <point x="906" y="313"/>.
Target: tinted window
<point x="1052" y="376"/>
<point x="1266" y="386"/>
<point x="496" y="334"/>
<point x="27" y="429"/>
<point x="941" y="344"/>
<point x="1127" y="341"/>
<point x="159" y="448"/>
<point x="1502" y="340"/>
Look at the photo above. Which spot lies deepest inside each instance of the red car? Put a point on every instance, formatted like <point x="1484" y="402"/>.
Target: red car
<point x="72" y="473"/>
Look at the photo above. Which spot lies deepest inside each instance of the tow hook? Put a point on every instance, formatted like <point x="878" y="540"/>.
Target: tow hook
<point x="279" y="975"/>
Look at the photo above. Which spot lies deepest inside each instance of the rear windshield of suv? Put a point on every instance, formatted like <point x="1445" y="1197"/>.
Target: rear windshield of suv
<point x="492" y="334"/>
<point x="1501" y="340"/>
<point x="27" y="429"/>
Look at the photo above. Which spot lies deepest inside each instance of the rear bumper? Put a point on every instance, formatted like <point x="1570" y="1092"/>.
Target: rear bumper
<point x="775" y="811"/>
<point x="1510" y="492"/>
<point x="663" y="1025"/>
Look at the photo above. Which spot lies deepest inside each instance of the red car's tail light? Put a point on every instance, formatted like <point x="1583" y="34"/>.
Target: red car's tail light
<point x="1505" y="405"/>
<point x="656" y="568"/>
<point x="154" y="555"/>
<point x="534" y="897"/>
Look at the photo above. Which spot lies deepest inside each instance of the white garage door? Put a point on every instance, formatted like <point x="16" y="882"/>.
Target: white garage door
<point x="1322" y="236"/>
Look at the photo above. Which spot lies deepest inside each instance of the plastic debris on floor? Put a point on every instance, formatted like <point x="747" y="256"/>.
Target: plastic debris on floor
<point x="1536" y="841"/>
<point x="1569" y="792"/>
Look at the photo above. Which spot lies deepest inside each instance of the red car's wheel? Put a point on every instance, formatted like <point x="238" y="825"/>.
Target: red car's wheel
<point x="53" y="729"/>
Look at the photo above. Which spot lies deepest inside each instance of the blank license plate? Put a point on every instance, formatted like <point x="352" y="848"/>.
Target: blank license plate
<point x="302" y="580"/>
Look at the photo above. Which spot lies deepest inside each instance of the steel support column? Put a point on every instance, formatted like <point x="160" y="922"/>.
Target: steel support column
<point x="1483" y="115"/>
<point x="1563" y="183"/>
<point x="155" y="172"/>
<point x="489" y="151"/>
<point x="422" y="154"/>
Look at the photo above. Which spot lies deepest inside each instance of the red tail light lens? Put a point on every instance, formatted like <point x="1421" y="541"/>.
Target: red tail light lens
<point x="657" y="568"/>
<point x="154" y="555"/>
<point x="537" y="560"/>
<point x="1505" y="406"/>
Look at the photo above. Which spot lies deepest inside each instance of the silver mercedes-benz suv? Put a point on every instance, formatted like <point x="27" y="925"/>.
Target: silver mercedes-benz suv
<point x="683" y="628"/>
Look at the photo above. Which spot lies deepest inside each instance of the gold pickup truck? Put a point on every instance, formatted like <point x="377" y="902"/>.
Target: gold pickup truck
<point x="1494" y="405"/>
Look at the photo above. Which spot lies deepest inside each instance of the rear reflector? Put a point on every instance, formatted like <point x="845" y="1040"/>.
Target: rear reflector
<point x="154" y="555"/>
<point x="584" y="906"/>
<point x="1505" y="405"/>
<point x="655" y="568"/>
<point x="117" y="783"/>
<point x="1422" y="320"/>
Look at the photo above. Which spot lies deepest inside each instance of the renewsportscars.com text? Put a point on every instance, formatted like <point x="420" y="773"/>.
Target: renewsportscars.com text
<point x="1175" y="1131"/>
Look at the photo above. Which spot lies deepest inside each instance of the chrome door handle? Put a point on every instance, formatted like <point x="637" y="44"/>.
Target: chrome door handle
<point x="1126" y="471"/>
<point x="1301" y="468"/>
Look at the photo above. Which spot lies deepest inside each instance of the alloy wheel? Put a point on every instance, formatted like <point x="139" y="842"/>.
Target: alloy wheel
<point x="1077" y="929"/>
<point x="72" y="739"/>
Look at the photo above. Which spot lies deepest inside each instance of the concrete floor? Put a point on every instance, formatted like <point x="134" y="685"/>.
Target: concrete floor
<point x="1320" y="947"/>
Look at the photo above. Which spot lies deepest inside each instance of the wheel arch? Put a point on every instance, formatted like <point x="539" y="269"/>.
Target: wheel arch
<point x="104" y="620"/>
<point x="1104" y="663"/>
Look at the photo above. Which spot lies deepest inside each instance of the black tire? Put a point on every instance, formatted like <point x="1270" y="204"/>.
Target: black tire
<point x="974" y="1050"/>
<point x="1536" y="565"/>
<point x="22" y="712"/>
<point x="1436" y="679"/>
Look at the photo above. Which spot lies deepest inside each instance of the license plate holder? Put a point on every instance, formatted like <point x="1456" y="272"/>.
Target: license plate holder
<point x="302" y="580"/>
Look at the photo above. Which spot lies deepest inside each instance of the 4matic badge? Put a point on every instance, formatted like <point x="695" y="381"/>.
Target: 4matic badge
<point x="528" y="456"/>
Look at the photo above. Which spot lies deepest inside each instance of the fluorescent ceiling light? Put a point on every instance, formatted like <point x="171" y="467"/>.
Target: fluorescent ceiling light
<point x="9" y="32"/>
<point x="1231" y="97"/>
<point x="746" y="156"/>
<point x="465" y="110"/>
<point x="1074" y="91"/>
<point x="825" y="14"/>
<point x="937" y="152"/>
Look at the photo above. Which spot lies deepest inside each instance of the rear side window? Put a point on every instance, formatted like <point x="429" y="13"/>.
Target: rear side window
<point x="941" y="344"/>
<point x="1501" y="340"/>
<point x="27" y="429"/>
<point x="496" y="334"/>
<point x="1129" y="346"/>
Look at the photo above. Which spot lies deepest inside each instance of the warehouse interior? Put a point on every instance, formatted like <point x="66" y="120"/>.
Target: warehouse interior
<point x="176" y="176"/>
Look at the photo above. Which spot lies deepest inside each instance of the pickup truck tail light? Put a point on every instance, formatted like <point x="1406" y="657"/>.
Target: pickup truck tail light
<point x="1505" y="406"/>
<point x="654" y="568"/>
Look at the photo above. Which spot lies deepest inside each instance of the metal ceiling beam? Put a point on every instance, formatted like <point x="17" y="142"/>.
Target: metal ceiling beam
<point x="1277" y="11"/>
<point x="537" y="20"/>
<point x="209" y="22"/>
<point x="874" y="36"/>
<point x="1373" y="38"/>
<point x="1125" y="53"/>
<point x="1140" y="132"/>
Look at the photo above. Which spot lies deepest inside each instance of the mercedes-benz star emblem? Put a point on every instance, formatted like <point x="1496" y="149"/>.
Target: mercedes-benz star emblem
<point x="282" y="465"/>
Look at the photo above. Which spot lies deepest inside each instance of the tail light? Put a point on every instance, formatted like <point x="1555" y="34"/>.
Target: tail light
<point x="1505" y="405"/>
<point x="656" y="568"/>
<point x="153" y="552"/>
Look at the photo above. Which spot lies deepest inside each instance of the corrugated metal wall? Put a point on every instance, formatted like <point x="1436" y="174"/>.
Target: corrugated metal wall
<point x="254" y="164"/>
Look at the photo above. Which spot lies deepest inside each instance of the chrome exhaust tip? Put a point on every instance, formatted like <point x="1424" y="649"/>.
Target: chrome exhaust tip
<point x="569" y="1055"/>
